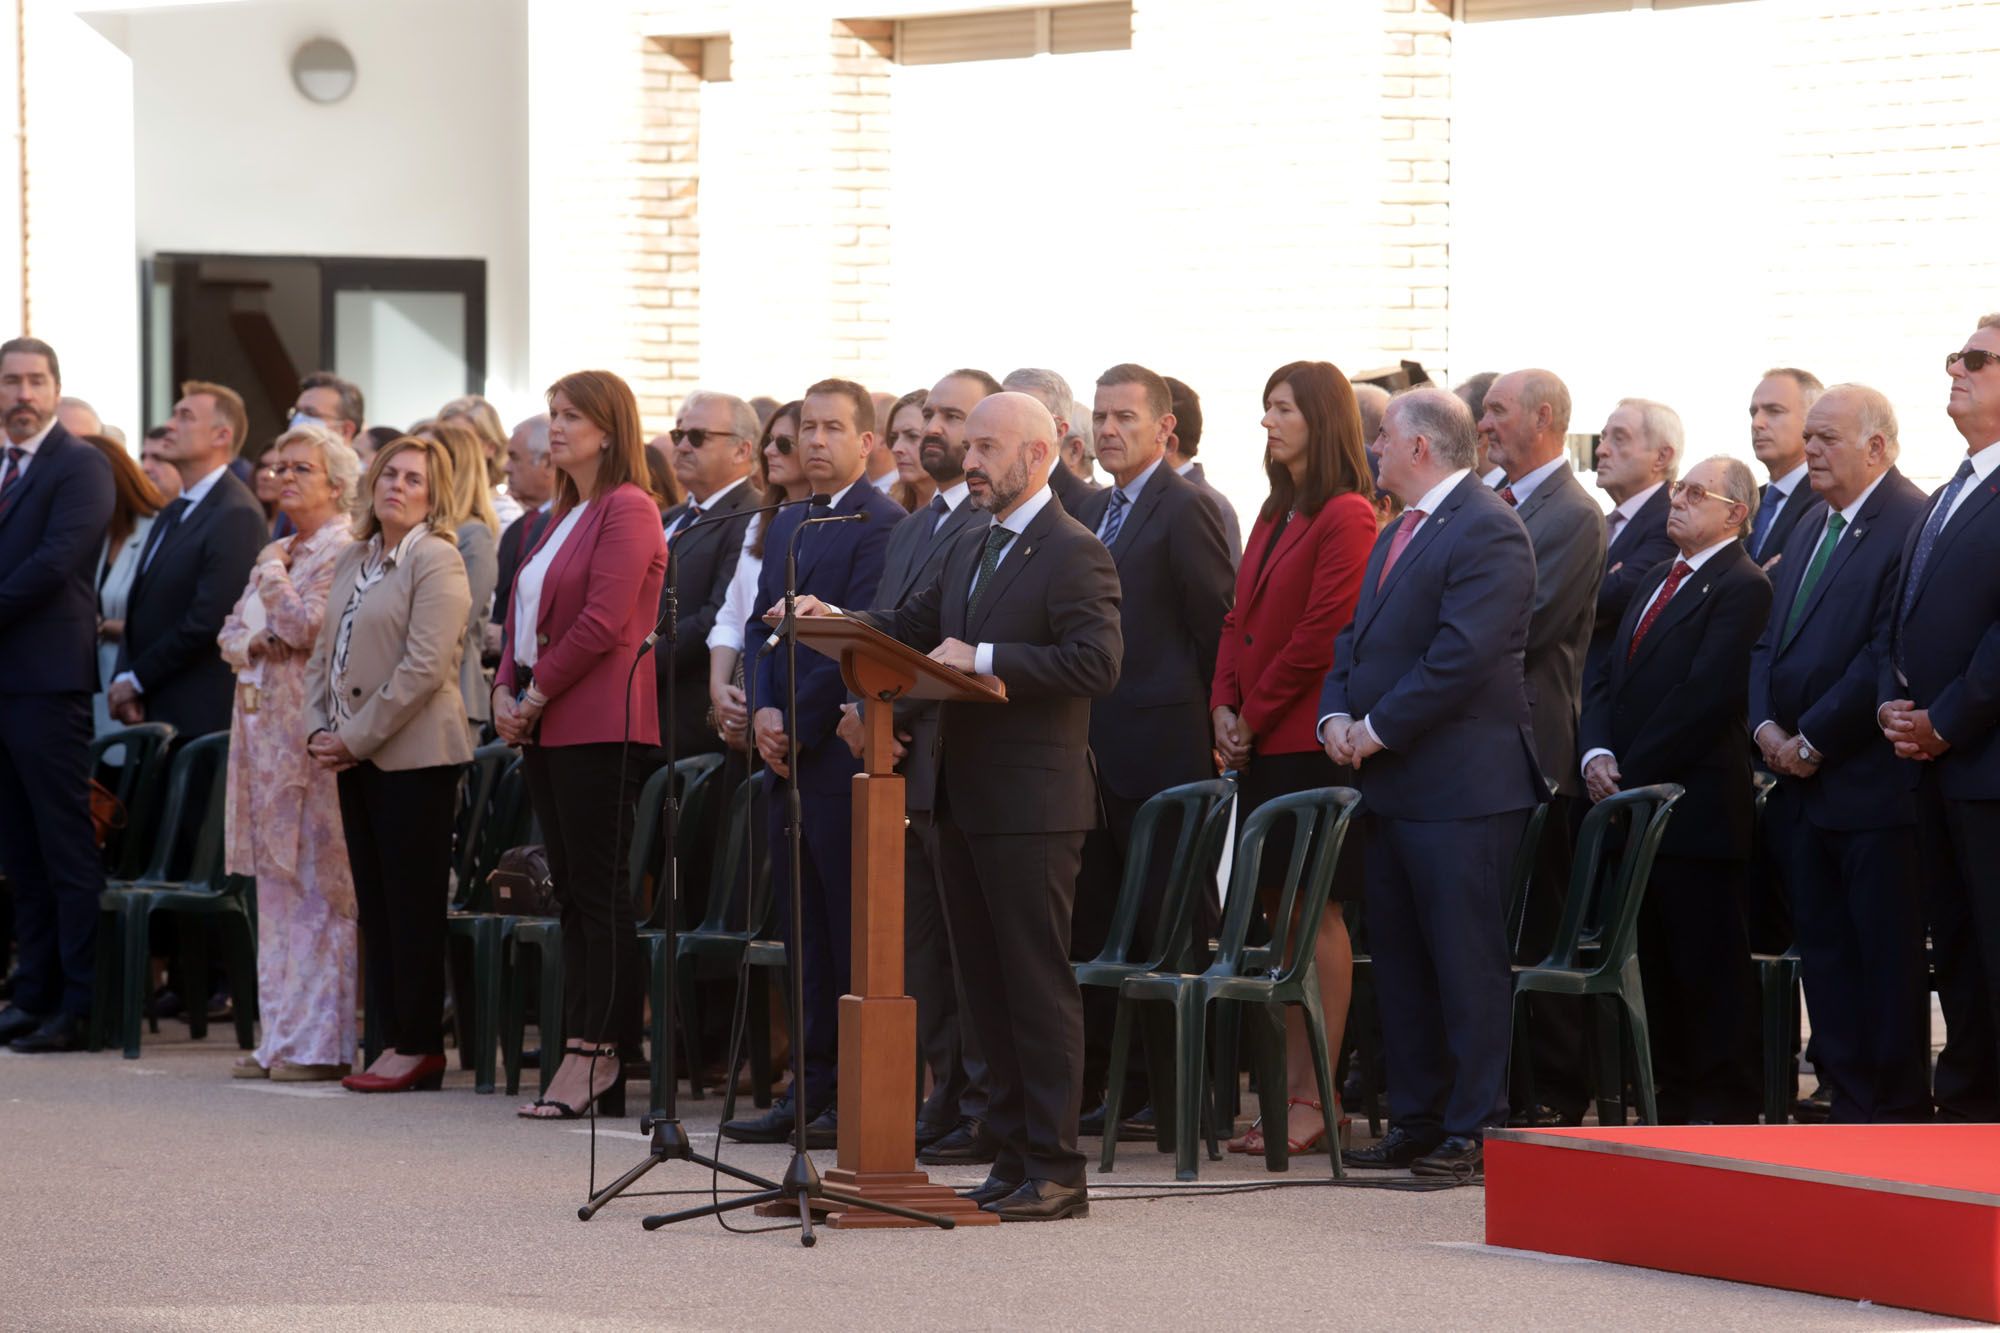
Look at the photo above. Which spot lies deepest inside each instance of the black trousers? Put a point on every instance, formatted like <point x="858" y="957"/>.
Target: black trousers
<point x="398" y="828"/>
<point x="1958" y="845"/>
<point x="48" y="848"/>
<point x="958" y="1074"/>
<point x="582" y="806"/>
<point x="1859" y="917"/>
<point x="1701" y="990"/>
<point x="1009" y="898"/>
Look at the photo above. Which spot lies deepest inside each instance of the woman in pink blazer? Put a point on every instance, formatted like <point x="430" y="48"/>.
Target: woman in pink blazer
<point x="566" y="692"/>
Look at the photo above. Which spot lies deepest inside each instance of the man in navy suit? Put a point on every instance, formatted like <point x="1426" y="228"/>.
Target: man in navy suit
<point x="1428" y="701"/>
<point x="1940" y="693"/>
<point x="840" y="563"/>
<point x="1847" y="839"/>
<point x="1668" y="703"/>
<point x="55" y="502"/>
<point x="1638" y="454"/>
<point x="1778" y="409"/>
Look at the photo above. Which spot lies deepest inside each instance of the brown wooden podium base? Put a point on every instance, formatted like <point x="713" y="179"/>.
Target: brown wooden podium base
<point x="906" y="1189"/>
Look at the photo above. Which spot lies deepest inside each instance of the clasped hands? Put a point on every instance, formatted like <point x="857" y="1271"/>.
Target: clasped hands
<point x="515" y="716"/>
<point x="330" y="752"/>
<point x="1348" y="742"/>
<point x="1909" y="729"/>
<point x="1780" y="750"/>
<point x="124" y="703"/>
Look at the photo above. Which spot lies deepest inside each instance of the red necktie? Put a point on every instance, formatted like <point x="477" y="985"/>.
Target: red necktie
<point x="1507" y="494"/>
<point x="1680" y="571"/>
<point x="11" y="473"/>
<point x="1404" y="531"/>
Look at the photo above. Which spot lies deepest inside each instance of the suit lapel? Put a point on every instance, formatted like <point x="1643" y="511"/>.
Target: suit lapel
<point x="929" y="544"/>
<point x="37" y="473"/>
<point x="1012" y="563"/>
<point x="1142" y="510"/>
<point x="1647" y="511"/>
<point x="1432" y="526"/>
<point x="581" y="537"/>
<point x="1293" y="534"/>
<point x="1968" y="513"/>
<point x="192" y="521"/>
<point x="1688" y="597"/>
<point x="1842" y="549"/>
<point x="812" y="545"/>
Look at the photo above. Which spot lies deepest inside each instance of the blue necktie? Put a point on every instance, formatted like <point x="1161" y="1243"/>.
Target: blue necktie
<point x="1767" y="513"/>
<point x="163" y="525"/>
<point x="1928" y="539"/>
<point x="1114" y="517"/>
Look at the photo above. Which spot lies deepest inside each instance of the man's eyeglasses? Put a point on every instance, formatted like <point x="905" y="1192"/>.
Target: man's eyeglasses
<point x="1975" y="360"/>
<point x="1695" y="493"/>
<point x="697" y="437"/>
<point x="782" y="443"/>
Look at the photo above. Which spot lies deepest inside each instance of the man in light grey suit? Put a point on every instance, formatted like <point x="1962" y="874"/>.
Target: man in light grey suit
<point x="951" y="1126"/>
<point x="1524" y="422"/>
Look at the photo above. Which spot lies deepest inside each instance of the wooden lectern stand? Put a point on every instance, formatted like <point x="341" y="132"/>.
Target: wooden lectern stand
<point x="878" y="1023"/>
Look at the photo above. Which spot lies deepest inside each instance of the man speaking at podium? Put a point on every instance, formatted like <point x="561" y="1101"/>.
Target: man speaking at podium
<point x="1035" y="604"/>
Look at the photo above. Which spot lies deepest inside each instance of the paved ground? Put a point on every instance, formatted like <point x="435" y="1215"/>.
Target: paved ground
<point x="158" y="1193"/>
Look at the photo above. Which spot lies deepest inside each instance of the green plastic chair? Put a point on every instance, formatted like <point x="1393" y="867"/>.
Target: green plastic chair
<point x="1201" y="816"/>
<point x="1319" y="821"/>
<point x="138" y="780"/>
<point x="196" y="781"/>
<point x="507" y="821"/>
<point x="734" y="892"/>
<point x="1596" y="948"/>
<point x="475" y="800"/>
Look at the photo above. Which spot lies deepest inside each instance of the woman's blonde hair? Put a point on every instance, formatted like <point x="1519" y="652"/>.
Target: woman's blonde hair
<point x="484" y="418"/>
<point x="445" y="515"/>
<point x="475" y="498"/>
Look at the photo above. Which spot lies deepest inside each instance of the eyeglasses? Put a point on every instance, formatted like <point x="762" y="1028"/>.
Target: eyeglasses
<point x="300" y="470"/>
<point x="782" y="443"/>
<point x="697" y="437"/>
<point x="1975" y="360"/>
<point x="1696" y="493"/>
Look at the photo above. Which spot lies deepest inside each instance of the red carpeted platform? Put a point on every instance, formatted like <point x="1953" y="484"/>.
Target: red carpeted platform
<point x="1905" y="1215"/>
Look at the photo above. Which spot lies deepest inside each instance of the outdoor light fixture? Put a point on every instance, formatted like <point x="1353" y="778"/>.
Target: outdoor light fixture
<point x="323" y="70"/>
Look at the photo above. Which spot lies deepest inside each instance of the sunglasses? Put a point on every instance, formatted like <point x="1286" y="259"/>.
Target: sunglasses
<point x="782" y="443"/>
<point x="1696" y="493"/>
<point x="697" y="437"/>
<point x="1975" y="361"/>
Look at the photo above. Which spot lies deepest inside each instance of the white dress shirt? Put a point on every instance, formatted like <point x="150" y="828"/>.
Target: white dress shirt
<point x="1983" y="464"/>
<point x="953" y="497"/>
<point x="1527" y="485"/>
<point x="696" y="508"/>
<point x="1016" y="523"/>
<point x="1628" y="509"/>
<point x="1492" y="477"/>
<point x="1131" y="490"/>
<point x="727" y="632"/>
<point x="884" y="482"/>
<point x="528" y="588"/>
<point x="1432" y="498"/>
<point x="28" y="447"/>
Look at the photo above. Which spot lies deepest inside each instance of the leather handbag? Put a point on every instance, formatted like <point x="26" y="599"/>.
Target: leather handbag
<point x="520" y="885"/>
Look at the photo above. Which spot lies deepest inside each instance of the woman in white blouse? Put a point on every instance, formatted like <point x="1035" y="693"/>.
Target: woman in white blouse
<point x="138" y="500"/>
<point x="779" y="468"/>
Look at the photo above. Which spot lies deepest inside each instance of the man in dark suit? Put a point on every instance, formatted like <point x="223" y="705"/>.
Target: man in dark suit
<point x="1778" y="410"/>
<point x="1940" y="693"/>
<point x="714" y="438"/>
<point x="840" y="563"/>
<point x="1638" y="454"/>
<point x="55" y="502"/>
<point x="195" y="564"/>
<point x="531" y="480"/>
<point x="1149" y="734"/>
<point x="1182" y="444"/>
<point x="1035" y="605"/>
<point x="1052" y="392"/>
<point x="1427" y="701"/>
<point x="951" y="1125"/>
<point x="1525" y="426"/>
<point x="1668" y="704"/>
<point x="1847" y="839"/>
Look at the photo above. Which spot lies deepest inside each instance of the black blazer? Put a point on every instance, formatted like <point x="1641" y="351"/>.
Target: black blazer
<point x="1178" y="582"/>
<point x="1802" y="498"/>
<point x="701" y="560"/>
<point x="1820" y="681"/>
<point x="1435" y="660"/>
<point x="52" y="524"/>
<point x="1051" y="614"/>
<point x="917" y="550"/>
<point x="516" y="542"/>
<point x="1641" y="544"/>
<point x="179" y="600"/>
<point x="1678" y="711"/>
<point x="1947" y="642"/>
<point x="1071" y="489"/>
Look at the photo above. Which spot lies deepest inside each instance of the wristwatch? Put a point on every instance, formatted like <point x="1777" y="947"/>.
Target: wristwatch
<point x="1807" y="755"/>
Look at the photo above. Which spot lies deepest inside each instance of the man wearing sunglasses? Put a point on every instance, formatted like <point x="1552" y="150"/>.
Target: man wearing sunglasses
<point x="1667" y="703"/>
<point x="1940" y="692"/>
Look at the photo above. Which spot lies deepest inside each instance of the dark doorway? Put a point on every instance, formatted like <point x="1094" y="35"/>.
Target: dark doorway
<point x="410" y="332"/>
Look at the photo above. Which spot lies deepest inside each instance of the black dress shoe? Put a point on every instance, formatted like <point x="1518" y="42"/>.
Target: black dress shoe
<point x="1138" y="1127"/>
<point x="1457" y="1156"/>
<point x="967" y="1145"/>
<point x="1397" y="1149"/>
<point x="990" y="1190"/>
<point x="823" y="1130"/>
<point x="1042" y="1201"/>
<point x="18" y="1022"/>
<point x="62" y="1032"/>
<point x="774" y="1126"/>
<point x="1544" y="1117"/>
<point x="930" y="1131"/>
<point x="1816" y="1109"/>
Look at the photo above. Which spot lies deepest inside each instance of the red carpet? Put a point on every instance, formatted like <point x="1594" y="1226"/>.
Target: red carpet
<point x="1905" y="1215"/>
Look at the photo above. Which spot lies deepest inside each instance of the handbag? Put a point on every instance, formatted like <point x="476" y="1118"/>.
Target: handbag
<point x="520" y="885"/>
<point x="107" y="812"/>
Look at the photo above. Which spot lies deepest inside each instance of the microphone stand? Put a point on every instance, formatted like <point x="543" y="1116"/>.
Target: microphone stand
<point x="801" y="1184"/>
<point x="669" y="1139"/>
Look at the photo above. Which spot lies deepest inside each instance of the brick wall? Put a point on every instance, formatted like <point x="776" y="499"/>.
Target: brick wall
<point x="1415" y="115"/>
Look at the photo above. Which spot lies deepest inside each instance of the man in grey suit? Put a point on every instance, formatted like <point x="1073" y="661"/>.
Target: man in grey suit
<point x="1524" y="424"/>
<point x="951" y="1126"/>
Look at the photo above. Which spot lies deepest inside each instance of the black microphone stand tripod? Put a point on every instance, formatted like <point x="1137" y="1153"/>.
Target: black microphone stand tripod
<point x="801" y="1185"/>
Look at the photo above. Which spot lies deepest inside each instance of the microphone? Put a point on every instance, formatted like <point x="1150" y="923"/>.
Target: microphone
<point x="792" y="568"/>
<point x="660" y="625"/>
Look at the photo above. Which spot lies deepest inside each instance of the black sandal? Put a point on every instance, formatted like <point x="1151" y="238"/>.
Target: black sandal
<point x="610" y="1102"/>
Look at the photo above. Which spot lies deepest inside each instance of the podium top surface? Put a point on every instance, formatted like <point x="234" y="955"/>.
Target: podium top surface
<point x="842" y="636"/>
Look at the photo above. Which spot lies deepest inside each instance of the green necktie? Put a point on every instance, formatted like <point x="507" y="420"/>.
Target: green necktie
<point x="1834" y="524"/>
<point x="996" y="542"/>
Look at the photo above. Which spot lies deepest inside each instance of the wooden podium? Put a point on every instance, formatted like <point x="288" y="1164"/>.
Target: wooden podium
<point x="878" y="1022"/>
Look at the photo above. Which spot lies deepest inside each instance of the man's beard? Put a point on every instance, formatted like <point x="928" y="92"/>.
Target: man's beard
<point x="1000" y="494"/>
<point x="22" y="424"/>
<point x="947" y="466"/>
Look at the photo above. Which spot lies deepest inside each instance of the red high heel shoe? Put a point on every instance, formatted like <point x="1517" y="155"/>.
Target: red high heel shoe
<point x="427" y="1076"/>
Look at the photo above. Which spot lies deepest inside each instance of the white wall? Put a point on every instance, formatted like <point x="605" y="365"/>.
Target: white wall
<point x="426" y="158"/>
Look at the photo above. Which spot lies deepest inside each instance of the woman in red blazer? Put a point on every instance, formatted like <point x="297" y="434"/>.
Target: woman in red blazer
<point x="1295" y="591"/>
<point x="583" y="603"/>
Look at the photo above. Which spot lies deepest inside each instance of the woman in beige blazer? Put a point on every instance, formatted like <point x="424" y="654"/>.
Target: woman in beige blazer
<point x="384" y="712"/>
